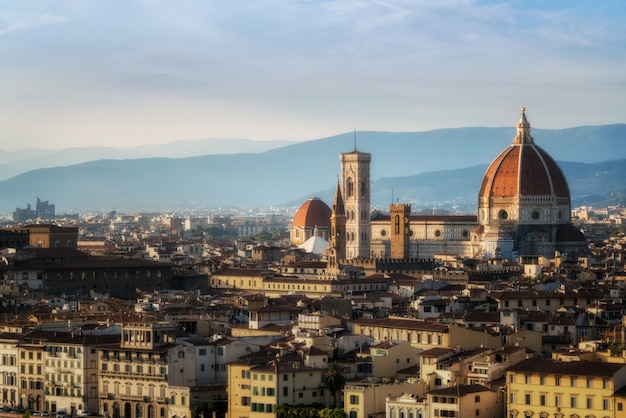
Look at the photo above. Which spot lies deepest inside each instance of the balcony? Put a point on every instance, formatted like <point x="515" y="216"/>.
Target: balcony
<point x="134" y="375"/>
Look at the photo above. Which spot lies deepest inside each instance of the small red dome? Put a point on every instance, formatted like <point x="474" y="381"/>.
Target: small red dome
<point x="312" y="213"/>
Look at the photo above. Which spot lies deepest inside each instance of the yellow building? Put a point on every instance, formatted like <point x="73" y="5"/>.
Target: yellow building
<point x="245" y="279"/>
<point x="257" y="386"/>
<point x="541" y="388"/>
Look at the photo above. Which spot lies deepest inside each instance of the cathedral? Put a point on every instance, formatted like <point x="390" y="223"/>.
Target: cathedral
<point x="524" y="209"/>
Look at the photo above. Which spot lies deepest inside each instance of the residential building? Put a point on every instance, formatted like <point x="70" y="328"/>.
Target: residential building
<point x="135" y="376"/>
<point x="464" y="401"/>
<point x="9" y="368"/>
<point x="368" y="397"/>
<point x="564" y="389"/>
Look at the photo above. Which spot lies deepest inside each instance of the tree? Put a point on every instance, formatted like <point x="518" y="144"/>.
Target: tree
<point x="333" y="379"/>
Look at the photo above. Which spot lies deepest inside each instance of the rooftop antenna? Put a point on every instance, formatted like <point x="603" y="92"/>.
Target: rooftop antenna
<point x="355" y="139"/>
<point x="392" y="195"/>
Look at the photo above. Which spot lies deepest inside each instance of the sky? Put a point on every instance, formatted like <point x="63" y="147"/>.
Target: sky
<point x="79" y="73"/>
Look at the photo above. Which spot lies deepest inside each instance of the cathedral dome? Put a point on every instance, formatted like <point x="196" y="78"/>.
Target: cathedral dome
<point x="313" y="213"/>
<point x="524" y="169"/>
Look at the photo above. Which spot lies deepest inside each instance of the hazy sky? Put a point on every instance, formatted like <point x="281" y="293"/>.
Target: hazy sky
<point x="124" y="72"/>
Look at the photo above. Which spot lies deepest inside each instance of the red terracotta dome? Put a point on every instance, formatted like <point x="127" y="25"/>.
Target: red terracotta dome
<point x="312" y="213"/>
<point x="524" y="169"/>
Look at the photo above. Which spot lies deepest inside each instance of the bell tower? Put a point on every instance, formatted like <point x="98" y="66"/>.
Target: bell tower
<point x="400" y="230"/>
<point x="355" y="179"/>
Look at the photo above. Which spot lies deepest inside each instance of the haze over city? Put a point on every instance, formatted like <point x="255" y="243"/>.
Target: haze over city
<point x="121" y="73"/>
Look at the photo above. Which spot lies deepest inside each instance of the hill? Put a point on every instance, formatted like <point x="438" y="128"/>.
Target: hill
<point x="430" y="169"/>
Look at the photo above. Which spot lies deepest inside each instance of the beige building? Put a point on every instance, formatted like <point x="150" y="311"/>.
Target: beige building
<point x="9" y="368"/>
<point x="30" y="353"/>
<point x="70" y="371"/>
<point x="425" y="335"/>
<point x="368" y="398"/>
<point x="464" y="401"/>
<point x="134" y="377"/>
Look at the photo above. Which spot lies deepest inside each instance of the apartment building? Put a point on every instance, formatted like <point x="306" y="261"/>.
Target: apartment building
<point x="257" y="384"/>
<point x="205" y="359"/>
<point x="70" y="371"/>
<point x="565" y="389"/>
<point x="464" y="401"/>
<point x="30" y="355"/>
<point x="9" y="369"/>
<point x="134" y="377"/>
<point x="369" y="397"/>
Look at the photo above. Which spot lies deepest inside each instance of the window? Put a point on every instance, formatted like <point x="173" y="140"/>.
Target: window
<point x="477" y="398"/>
<point x="557" y="400"/>
<point x="572" y="401"/>
<point x="589" y="403"/>
<point x="527" y="399"/>
<point x="354" y="400"/>
<point x="605" y="404"/>
<point x="557" y="381"/>
<point x="589" y="382"/>
<point x="202" y="352"/>
<point x="542" y="399"/>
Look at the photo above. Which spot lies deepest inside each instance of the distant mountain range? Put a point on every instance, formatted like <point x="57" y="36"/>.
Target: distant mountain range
<point x="435" y="169"/>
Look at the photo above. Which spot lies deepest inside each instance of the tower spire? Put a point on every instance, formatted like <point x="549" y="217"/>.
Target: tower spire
<point x="523" y="130"/>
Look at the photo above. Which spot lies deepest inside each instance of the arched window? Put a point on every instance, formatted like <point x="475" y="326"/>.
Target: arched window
<point x="349" y="187"/>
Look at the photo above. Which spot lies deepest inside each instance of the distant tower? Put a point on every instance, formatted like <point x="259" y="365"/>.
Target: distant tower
<point x="337" y="248"/>
<point x="400" y="230"/>
<point x="355" y="178"/>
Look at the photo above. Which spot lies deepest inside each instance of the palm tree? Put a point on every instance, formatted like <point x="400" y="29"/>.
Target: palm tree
<point x="333" y="379"/>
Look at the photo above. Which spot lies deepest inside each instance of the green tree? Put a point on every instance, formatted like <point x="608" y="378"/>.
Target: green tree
<point x="333" y="379"/>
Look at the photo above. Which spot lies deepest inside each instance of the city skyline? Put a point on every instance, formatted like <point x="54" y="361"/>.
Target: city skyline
<point x="137" y="73"/>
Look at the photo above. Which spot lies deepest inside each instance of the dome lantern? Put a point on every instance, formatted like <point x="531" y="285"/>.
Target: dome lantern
<point x="523" y="130"/>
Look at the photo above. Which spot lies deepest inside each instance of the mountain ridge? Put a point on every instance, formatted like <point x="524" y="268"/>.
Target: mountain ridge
<point x="419" y="167"/>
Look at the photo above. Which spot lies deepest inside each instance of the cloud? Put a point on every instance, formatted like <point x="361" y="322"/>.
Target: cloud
<point x="13" y="23"/>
